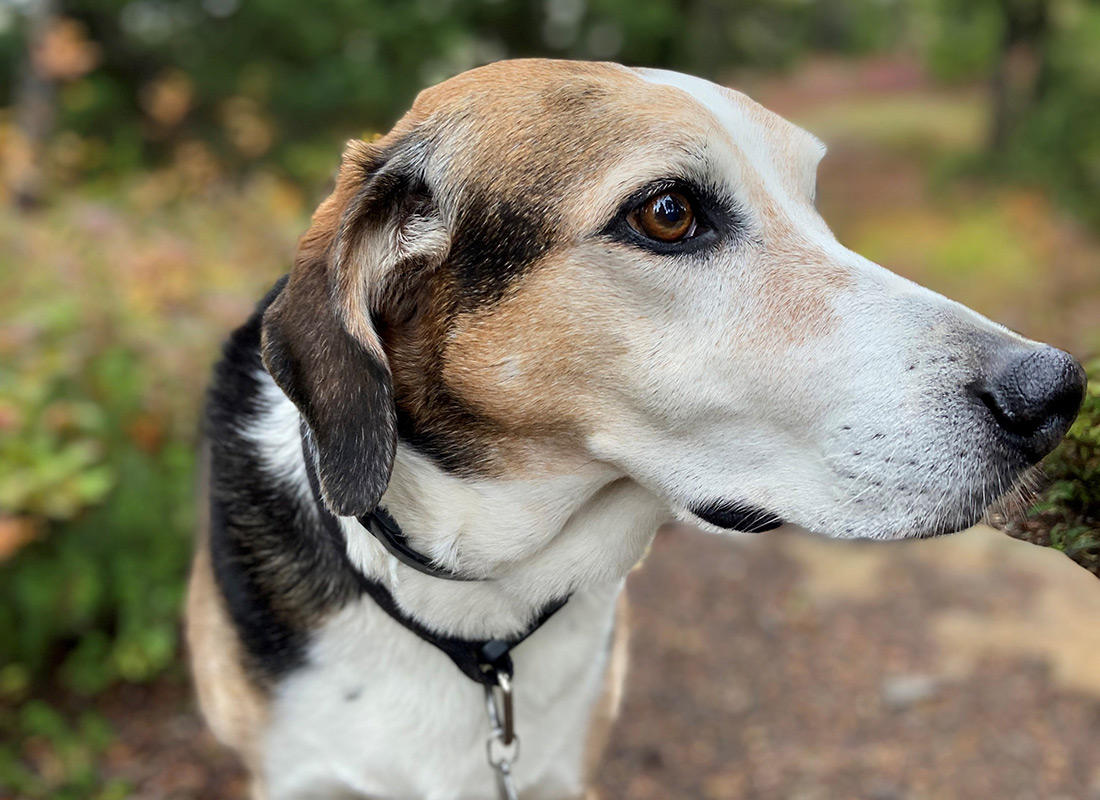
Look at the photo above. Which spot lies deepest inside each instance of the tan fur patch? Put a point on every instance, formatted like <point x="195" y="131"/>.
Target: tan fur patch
<point x="800" y="284"/>
<point x="541" y="130"/>
<point x="563" y="143"/>
<point x="233" y="707"/>
<point x="537" y="134"/>
<point x="539" y="360"/>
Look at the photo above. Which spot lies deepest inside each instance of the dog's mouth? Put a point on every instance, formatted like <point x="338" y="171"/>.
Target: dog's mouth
<point x="734" y="515"/>
<point x="738" y="516"/>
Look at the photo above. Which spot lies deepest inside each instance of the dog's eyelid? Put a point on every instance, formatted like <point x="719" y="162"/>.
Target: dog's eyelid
<point x="688" y="188"/>
<point x="716" y="216"/>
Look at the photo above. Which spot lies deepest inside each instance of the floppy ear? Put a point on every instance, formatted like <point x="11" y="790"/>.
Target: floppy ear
<point x="378" y="229"/>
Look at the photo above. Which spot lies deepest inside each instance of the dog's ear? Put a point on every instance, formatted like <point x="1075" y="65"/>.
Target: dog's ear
<point x="379" y="229"/>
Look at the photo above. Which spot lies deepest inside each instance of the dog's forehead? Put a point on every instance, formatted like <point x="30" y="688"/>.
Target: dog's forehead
<point x="763" y="136"/>
<point x="543" y="125"/>
<point x="540" y="126"/>
<point x="526" y="157"/>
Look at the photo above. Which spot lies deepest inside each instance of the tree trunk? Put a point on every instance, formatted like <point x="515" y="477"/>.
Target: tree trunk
<point x="35" y="112"/>
<point x="1015" y="83"/>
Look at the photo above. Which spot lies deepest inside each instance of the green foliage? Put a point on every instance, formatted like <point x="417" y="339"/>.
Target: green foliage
<point x="99" y="597"/>
<point x="52" y="437"/>
<point x="1057" y="142"/>
<point x="155" y="270"/>
<point x="47" y="756"/>
<point x="963" y="37"/>
<point x="1071" y="506"/>
<point x="99" y="394"/>
<point x="1043" y="58"/>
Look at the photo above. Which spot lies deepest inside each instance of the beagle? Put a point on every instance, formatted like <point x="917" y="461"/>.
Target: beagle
<point x="558" y="304"/>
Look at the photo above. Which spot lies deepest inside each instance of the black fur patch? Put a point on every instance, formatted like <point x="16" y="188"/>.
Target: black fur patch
<point x="737" y="516"/>
<point x="341" y="388"/>
<point x="495" y="242"/>
<point x="453" y="447"/>
<point x="280" y="562"/>
<point x="346" y="397"/>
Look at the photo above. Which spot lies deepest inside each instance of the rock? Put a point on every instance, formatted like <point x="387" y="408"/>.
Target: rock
<point x="901" y="691"/>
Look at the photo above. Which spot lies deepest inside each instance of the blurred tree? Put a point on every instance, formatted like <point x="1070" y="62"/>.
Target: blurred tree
<point x="228" y="84"/>
<point x="1019" y="57"/>
<point x="1042" y="61"/>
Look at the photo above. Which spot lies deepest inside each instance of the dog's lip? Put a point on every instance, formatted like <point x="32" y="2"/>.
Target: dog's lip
<point x="735" y="515"/>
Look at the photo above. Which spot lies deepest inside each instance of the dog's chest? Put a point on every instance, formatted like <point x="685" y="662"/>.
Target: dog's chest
<point x="382" y="714"/>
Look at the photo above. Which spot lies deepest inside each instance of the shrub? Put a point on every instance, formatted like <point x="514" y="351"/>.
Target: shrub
<point x="1069" y="510"/>
<point x="105" y="346"/>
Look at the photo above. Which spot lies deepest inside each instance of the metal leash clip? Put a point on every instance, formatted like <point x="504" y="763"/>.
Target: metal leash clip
<point x="503" y="744"/>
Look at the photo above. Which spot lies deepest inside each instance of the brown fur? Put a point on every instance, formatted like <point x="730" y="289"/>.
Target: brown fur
<point x="551" y="136"/>
<point x="541" y="132"/>
<point x="233" y="706"/>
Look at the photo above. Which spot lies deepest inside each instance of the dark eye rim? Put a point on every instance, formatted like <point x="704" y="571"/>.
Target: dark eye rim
<point x="710" y="219"/>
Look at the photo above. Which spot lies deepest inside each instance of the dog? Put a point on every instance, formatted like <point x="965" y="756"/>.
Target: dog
<point x="558" y="304"/>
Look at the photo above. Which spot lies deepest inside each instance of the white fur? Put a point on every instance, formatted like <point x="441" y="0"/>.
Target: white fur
<point x="832" y="431"/>
<point x="277" y="436"/>
<point x="416" y="727"/>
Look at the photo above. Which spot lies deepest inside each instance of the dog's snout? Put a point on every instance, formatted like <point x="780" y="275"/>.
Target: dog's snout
<point x="1034" y="395"/>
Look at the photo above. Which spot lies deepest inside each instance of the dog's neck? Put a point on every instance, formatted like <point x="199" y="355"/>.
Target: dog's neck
<point x="534" y="541"/>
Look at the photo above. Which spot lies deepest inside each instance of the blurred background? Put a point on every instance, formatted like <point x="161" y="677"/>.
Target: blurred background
<point x="159" y="159"/>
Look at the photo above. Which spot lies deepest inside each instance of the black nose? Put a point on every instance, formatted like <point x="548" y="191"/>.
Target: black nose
<point x="1034" y="395"/>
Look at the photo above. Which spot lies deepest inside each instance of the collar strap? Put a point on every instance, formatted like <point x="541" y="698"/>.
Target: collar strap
<point x="386" y="530"/>
<point x="480" y="660"/>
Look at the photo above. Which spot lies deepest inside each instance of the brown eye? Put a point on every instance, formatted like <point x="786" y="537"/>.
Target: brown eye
<point x="666" y="217"/>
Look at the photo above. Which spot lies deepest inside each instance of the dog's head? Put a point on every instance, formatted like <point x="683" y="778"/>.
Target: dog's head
<point x="550" y="263"/>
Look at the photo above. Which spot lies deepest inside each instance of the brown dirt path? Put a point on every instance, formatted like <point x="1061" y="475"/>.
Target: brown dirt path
<point x="787" y="667"/>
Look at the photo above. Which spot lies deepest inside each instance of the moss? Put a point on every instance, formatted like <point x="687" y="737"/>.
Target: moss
<point x="1067" y="514"/>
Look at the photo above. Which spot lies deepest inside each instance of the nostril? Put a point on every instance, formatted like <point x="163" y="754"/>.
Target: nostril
<point x="1003" y="413"/>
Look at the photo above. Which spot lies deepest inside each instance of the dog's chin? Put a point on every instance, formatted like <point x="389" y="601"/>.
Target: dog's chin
<point x="931" y="527"/>
<point x="1012" y="503"/>
<point x="734" y="516"/>
<point x="738" y="516"/>
<point x="926" y="528"/>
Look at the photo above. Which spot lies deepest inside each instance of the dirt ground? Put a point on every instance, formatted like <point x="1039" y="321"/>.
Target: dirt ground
<point x="782" y="667"/>
<point x="799" y="669"/>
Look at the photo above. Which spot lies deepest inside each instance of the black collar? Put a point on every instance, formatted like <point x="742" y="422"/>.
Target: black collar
<point x="387" y="531"/>
<point x="480" y="660"/>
